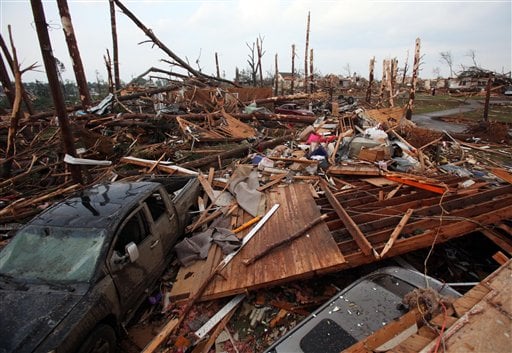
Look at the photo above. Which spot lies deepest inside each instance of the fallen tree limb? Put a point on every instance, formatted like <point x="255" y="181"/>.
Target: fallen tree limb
<point x="162" y="46"/>
<point x="290" y="239"/>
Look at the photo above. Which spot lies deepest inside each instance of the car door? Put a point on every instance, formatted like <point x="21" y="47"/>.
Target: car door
<point x="164" y="217"/>
<point x="133" y="278"/>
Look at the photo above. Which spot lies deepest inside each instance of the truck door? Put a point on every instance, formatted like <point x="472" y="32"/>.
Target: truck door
<point x="133" y="278"/>
<point x="165" y="220"/>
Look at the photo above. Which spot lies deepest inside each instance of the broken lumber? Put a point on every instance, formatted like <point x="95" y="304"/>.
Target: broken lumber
<point x="291" y="238"/>
<point x="162" y="166"/>
<point x="351" y="226"/>
<point x="396" y="232"/>
<point x="418" y="182"/>
<point x="170" y="327"/>
<point x="236" y="152"/>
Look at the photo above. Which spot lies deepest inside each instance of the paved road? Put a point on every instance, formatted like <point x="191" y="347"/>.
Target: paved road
<point x="432" y="121"/>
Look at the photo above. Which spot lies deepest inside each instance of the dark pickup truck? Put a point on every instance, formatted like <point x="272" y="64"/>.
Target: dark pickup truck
<point x="75" y="274"/>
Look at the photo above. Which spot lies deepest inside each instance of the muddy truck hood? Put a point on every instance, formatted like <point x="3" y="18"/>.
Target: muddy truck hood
<point x="28" y="317"/>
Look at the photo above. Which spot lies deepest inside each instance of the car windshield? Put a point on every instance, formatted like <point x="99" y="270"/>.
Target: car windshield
<point x="52" y="254"/>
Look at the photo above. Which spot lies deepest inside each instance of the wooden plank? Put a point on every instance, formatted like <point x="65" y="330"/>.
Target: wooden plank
<point x="482" y="329"/>
<point x="396" y="232"/>
<point x="502" y="174"/>
<point x="500" y="258"/>
<point x="161" y="336"/>
<point x="417" y="184"/>
<point x="503" y="242"/>
<point x="351" y="226"/>
<point x="272" y="183"/>
<point x="206" y="187"/>
<point x="361" y="169"/>
<point x="379" y="181"/>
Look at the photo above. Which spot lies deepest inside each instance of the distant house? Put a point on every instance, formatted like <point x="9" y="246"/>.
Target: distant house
<point x="285" y="80"/>
<point x="474" y="79"/>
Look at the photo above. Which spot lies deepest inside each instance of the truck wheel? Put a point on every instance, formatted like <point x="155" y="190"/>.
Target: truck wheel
<point x="101" y="340"/>
<point x="350" y="100"/>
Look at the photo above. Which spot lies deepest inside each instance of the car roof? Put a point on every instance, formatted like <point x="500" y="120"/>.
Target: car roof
<point x="101" y="206"/>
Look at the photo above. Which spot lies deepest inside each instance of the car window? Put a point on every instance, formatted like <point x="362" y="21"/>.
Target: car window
<point x="134" y="230"/>
<point x="53" y="254"/>
<point x="156" y="205"/>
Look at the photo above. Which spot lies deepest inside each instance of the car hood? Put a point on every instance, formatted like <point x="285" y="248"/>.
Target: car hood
<point x="27" y="317"/>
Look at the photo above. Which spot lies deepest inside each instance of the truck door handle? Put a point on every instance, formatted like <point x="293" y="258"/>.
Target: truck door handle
<point x="153" y="244"/>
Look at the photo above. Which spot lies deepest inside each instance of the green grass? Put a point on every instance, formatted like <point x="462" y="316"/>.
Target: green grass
<point x="425" y="103"/>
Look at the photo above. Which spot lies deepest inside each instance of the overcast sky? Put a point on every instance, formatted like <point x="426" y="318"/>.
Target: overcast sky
<point x="343" y="34"/>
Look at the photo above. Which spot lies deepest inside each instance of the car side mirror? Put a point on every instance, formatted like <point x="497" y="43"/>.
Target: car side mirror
<point x="133" y="251"/>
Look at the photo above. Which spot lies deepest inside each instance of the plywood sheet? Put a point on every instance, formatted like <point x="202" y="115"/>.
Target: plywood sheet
<point x="302" y="258"/>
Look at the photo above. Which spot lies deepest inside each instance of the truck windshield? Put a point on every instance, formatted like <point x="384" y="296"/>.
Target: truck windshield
<point x="52" y="254"/>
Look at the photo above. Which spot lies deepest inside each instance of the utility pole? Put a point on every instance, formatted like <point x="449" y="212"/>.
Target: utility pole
<point x="306" y="56"/>
<point x="115" y="49"/>
<point x="74" y="53"/>
<point x="217" y="64"/>
<point x="53" y="81"/>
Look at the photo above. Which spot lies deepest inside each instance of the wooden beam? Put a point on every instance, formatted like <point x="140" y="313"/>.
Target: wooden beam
<point x="418" y="184"/>
<point x="503" y="242"/>
<point x="351" y="226"/>
<point x="396" y="232"/>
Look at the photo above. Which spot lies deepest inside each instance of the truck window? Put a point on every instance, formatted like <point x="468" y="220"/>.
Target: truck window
<point x="135" y="230"/>
<point x="156" y="205"/>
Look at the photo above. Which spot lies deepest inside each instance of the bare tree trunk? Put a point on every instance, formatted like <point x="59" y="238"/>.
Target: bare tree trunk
<point x="487" y="97"/>
<point x="259" y="44"/>
<point x="26" y="99"/>
<point x="415" y="70"/>
<point x="74" y="53"/>
<point x="15" y="113"/>
<point x="389" y="77"/>
<point x="383" y="83"/>
<point x="53" y="81"/>
<point x="370" y="80"/>
<point x="276" y="79"/>
<point x="311" y="70"/>
<point x="108" y="64"/>
<point x="406" y="66"/>
<point x="6" y="83"/>
<point x="217" y="64"/>
<point x="114" y="44"/>
<point x="237" y="76"/>
<point x="306" y="56"/>
<point x="293" y="69"/>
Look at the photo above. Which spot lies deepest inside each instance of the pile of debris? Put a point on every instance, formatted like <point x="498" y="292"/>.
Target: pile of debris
<point x="309" y="195"/>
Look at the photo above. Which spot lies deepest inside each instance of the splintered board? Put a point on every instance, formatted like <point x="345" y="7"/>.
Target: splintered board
<point x="314" y="251"/>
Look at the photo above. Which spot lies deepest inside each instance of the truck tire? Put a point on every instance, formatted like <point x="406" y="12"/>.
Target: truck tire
<point x="101" y="340"/>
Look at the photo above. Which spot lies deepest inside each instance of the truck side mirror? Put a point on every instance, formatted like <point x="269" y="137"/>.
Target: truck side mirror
<point x="132" y="251"/>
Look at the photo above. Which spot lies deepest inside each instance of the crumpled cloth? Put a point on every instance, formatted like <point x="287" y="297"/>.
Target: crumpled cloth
<point x="243" y="185"/>
<point x="196" y="247"/>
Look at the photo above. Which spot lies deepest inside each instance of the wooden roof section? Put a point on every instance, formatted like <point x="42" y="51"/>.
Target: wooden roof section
<point x="405" y="217"/>
<point x="314" y="251"/>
